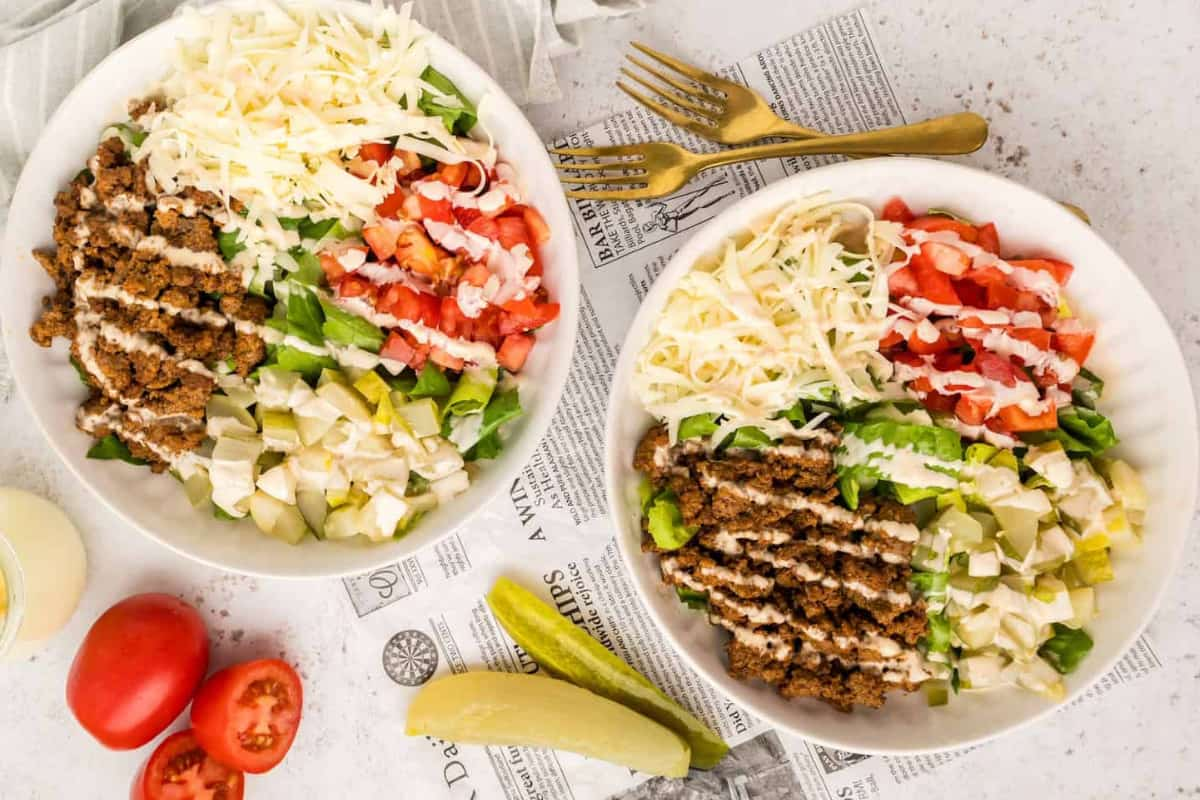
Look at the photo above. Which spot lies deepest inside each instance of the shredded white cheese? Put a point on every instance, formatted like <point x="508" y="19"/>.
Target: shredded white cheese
<point x="265" y="102"/>
<point x="794" y="312"/>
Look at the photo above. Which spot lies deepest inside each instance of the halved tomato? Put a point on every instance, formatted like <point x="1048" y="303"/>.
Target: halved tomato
<point x="514" y="350"/>
<point x="938" y="223"/>
<point x="989" y="238"/>
<point x="896" y="210"/>
<point x="181" y="769"/>
<point x="1017" y="421"/>
<point x="247" y="715"/>
<point x="379" y="152"/>
<point x="1061" y="270"/>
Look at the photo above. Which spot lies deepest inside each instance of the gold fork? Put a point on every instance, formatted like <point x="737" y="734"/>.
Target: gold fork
<point x="654" y="169"/>
<point x="725" y="111"/>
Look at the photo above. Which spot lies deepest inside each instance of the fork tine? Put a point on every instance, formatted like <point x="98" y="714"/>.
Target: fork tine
<point x="598" y="166"/>
<point x="640" y="178"/>
<point x="676" y="98"/>
<point x="620" y="194"/>
<point x="709" y="80"/>
<point x="609" y="151"/>
<point x="669" y="114"/>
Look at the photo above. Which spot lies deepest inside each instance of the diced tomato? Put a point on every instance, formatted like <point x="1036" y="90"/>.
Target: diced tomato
<point x="890" y="339"/>
<point x="431" y="309"/>
<point x="466" y="216"/>
<point x="536" y="223"/>
<point x="985" y="276"/>
<point x="486" y="327"/>
<point x="477" y="275"/>
<point x="410" y="209"/>
<point x="360" y="168"/>
<point x="1004" y="296"/>
<point x="526" y="315"/>
<point x="1016" y="420"/>
<point x="1073" y="343"/>
<point x="383" y="237"/>
<point x="514" y="350"/>
<point x="379" y="152"/>
<point x="414" y="251"/>
<point x="453" y="174"/>
<point x="354" y="286"/>
<point x="934" y="284"/>
<point x="437" y="210"/>
<point x="911" y="359"/>
<point x="989" y="238"/>
<point x="918" y="345"/>
<point x="941" y="403"/>
<point x="445" y="360"/>
<point x="410" y="162"/>
<point x="950" y="361"/>
<point x="400" y="301"/>
<point x="390" y="207"/>
<point x="903" y="283"/>
<point x="971" y="411"/>
<point x="921" y="384"/>
<point x="970" y="293"/>
<point x="938" y="223"/>
<point x="1038" y="337"/>
<point x="896" y="210"/>
<point x="485" y="226"/>
<point x="946" y="258"/>
<point x="453" y="321"/>
<point x="397" y="348"/>
<point x="513" y="233"/>
<point x="1061" y="270"/>
<point x="998" y="368"/>
<point x="332" y="268"/>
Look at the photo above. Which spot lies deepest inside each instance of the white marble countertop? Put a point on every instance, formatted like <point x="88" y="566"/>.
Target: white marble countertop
<point x="1094" y="101"/>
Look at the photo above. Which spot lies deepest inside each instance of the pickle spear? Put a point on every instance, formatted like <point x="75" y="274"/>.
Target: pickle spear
<point x="568" y="652"/>
<point x="504" y="708"/>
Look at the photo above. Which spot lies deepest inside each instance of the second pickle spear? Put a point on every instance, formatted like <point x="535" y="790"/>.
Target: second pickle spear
<point x="568" y="652"/>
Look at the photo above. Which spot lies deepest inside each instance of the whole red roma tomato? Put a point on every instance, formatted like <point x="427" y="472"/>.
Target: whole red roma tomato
<point x="137" y="668"/>
<point x="247" y="715"/>
<point x="179" y="769"/>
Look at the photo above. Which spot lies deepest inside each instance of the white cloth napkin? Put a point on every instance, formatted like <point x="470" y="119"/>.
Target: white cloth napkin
<point x="46" y="46"/>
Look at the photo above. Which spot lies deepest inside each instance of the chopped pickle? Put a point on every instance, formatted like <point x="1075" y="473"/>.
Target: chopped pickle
<point x="501" y="708"/>
<point x="569" y="652"/>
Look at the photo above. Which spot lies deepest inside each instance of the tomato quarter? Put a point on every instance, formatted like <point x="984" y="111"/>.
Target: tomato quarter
<point x="247" y="715"/>
<point x="179" y="769"/>
<point x="137" y="668"/>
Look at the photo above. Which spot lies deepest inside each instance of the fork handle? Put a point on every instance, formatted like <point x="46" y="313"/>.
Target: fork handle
<point x="952" y="134"/>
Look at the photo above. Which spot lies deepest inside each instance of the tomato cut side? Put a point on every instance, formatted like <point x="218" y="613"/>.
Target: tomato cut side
<point x="1016" y="420"/>
<point x="989" y="238"/>
<point x="180" y="769"/>
<point x="934" y="284"/>
<point x="390" y="207"/>
<point x="903" y="283"/>
<point x="379" y="152"/>
<point x="514" y="350"/>
<point x="1061" y="270"/>
<point x="946" y="258"/>
<point x="247" y="715"/>
<point x="1076" y="345"/>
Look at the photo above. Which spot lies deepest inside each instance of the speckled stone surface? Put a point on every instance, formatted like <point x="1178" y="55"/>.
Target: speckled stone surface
<point x="1098" y="102"/>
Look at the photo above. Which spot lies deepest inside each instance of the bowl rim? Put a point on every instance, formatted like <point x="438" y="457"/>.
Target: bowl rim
<point x="700" y="242"/>
<point x="549" y="388"/>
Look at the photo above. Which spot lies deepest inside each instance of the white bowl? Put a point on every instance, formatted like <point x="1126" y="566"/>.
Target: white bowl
<point x="156" y="504"/>
<point x="1147" y="396"/>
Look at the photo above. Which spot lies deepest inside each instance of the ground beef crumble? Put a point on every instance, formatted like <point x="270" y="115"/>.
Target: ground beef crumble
<point x="149" y="355"/>
<point x="817" y="606"/>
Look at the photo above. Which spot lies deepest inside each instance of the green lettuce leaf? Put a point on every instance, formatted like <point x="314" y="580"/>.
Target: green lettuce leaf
<point x="697" y="425"/>
<point x="304" y="316"/>
<point x="1082" y="431"/>
<point x="691" y="598"/>
<point x="432" y="382"/>
<point x="938" y="640"/>
<point x="665" y="522"/>
<point x="472" y="392"/>
<point x="306" y="364"/>
<point x="941" y="443"/>
<point x="110" y="447"/>
<point x="342" y="327"/>
<point x="458" y="119"/>
<point x="308" y="270"/>
<point x="229" y="245"/>
<point x="503" y="407"/>
<point x="747" y="437"/>
<point x="1066" y="648"/>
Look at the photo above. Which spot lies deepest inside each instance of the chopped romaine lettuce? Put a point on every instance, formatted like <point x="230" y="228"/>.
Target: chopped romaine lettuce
<point x="1066" y="648"/>
<point x="473" y="391"/>
<point x="308" y="267"/>
<point x="432" y="382"/>
<point x="459" y="119"/>
<point x="697" y="425"/>
<point x="304" y="317"/>
<point x="229" y="244"/>
<point x="691" y="598"/>
<point x="503" y="407"/>
<point x="306" y="364"/>
<point x="747" y="437"/>
<point x="1081" y="430"/>
<point x="342" y="327"/>
<point x="110" y="447"/>
<point x="938" y="640"/>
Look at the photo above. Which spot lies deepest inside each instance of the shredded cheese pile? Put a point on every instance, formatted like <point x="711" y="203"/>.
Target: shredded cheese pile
<point x="794" y="313"/>
<point x="264" y="100"/>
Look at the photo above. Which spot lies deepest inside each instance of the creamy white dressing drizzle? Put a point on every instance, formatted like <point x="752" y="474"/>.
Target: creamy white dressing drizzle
<point x="478" y="353"/>
<point x="729" y="542"/>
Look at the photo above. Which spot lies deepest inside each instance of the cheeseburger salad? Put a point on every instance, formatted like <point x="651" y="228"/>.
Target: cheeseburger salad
<point x="300" y="277"/>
